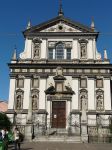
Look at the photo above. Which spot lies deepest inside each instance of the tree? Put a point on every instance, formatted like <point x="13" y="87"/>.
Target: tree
<point x="4" y="121"/>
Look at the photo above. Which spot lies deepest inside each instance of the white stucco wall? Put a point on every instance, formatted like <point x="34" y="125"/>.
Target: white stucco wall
<point x="107" y="94"/>
<point x="27" y="53"/>
<point x="91" y="94"/>
<point x="75" y="88"/>
<point x="26" y="93"/>
<point x="11" y="93"/>
<point x="42" y="96"/>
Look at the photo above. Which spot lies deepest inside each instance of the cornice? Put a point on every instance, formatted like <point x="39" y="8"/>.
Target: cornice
<point x="54" y="65"/>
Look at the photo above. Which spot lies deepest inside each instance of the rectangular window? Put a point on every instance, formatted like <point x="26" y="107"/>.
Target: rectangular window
<point x="99" y="83"/>
<point x="35" y="83"/>
<point x="68" y="56"/>
<point x="20" y="83"/>
<point x="59" y="51"/>
<point x="83" y="83"/>
<point x="50" y="53"/>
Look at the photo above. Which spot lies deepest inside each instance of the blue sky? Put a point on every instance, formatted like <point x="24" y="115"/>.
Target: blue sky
<point x="14" y="15"/>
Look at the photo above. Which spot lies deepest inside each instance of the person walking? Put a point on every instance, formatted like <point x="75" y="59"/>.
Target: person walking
<point x="17" y="139"/>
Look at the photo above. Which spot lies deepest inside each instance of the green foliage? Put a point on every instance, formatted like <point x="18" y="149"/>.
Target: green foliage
<point x="4" y="121"/>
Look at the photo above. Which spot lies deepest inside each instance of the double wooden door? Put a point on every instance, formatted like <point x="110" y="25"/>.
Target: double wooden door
<point x="59" y="114"/>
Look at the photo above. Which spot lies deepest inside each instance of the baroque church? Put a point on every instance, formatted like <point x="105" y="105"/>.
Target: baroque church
<point x="60" y="84"/>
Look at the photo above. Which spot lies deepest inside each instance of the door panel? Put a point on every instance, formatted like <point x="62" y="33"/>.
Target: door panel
<point x="59" y="114"/>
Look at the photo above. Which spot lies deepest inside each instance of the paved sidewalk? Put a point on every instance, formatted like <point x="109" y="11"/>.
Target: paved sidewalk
<point x="61" y="146"/>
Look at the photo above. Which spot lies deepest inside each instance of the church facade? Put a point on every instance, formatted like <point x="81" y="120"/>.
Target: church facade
<point x="60" y="83"/>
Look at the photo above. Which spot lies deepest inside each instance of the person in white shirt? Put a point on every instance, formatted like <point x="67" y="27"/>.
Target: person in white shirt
<point x="17" y="139"/>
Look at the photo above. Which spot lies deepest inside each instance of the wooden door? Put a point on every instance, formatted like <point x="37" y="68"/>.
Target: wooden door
<point x="58" y="114"/>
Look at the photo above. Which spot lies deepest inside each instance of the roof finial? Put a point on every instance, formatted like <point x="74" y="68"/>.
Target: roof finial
<point x="14" y="56"/>
<point x="92" y="24"/>
<point x="60" y="13"/>
<point x="29" y="24"/>
<point x="105" y="54"/>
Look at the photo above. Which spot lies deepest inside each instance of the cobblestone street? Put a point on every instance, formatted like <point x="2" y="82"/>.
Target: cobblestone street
<point x="61" y="146"/>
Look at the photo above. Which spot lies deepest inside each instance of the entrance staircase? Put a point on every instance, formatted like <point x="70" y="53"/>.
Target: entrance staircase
<point x="58" y="135"/>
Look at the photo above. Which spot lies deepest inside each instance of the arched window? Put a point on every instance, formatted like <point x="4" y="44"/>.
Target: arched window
<point x="99" y="99"/>
<point x="59" y="53"/>
<point x="19" y="99"/>
<point x="35" y="99"/>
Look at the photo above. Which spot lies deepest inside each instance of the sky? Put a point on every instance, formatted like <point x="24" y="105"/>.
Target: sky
<point x="15" y="14"/>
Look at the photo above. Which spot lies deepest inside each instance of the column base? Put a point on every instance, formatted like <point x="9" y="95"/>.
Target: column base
<point x="84" y="138"/>
<point x="28" y="132"/>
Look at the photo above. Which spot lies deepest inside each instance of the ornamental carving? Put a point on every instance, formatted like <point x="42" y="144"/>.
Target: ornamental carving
<point x="66" y="44"/>
<point x="59" y="71"/>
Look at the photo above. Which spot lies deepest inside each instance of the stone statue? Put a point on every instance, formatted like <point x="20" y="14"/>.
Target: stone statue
<point x="83" y="51"/>
<point x="83" y="102"/>
<point x="99" y="102"/>
<point x="36" y="50"/>
<point x="18" y="106"/>
<point x="34" y="102"/>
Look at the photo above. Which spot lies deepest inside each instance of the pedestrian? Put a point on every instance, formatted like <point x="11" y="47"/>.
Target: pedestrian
<point x="0" y="136"/>
<point x="5" y="140"/>
<point x="3" y="133"/>
<point x="17" y="139"/>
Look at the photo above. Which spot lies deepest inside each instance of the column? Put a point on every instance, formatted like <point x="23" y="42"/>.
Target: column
<point x="11" y="93"/>
<point x="75" y="97"/>
<point x="107" y="94"/>
<point x="42" y="96"/>
<point x="27" y="92"/>
<point x="91" y="94"/>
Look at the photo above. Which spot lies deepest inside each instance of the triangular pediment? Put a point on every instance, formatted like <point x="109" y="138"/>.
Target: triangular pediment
<point x="59" y="24"/>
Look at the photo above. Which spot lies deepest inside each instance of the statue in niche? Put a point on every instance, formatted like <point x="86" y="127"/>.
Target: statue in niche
<point x="36" y="50"/>
<point x="83" y="51"/>
<point x="83" y="102"/>
<point x="99" y="102"/>
<point x="34" y="102"/>
<point x="19" y="103"/>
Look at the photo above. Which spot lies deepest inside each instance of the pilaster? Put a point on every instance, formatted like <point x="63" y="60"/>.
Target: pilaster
<point x="12" y="93"/>
<point x="74" y="54"/>
<point x="107" y="94"/>
<point x="75" y="97"/>
<point x="27" y="92"/>
<point x="43" y="48"/>
<point x="42" y="96"/>
<point x="91" y="94"/>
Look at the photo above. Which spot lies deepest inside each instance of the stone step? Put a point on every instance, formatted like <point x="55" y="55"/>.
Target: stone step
<point x="68" y="139"/>
<point x="57" y="132"/>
